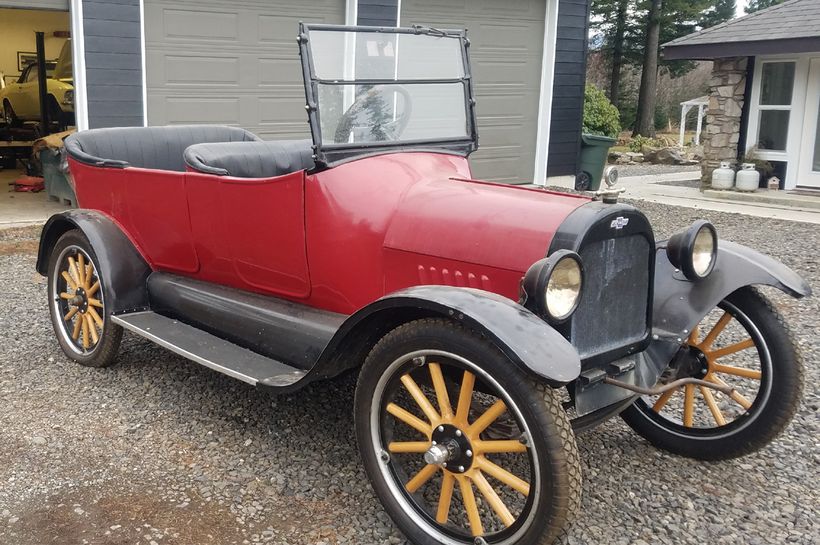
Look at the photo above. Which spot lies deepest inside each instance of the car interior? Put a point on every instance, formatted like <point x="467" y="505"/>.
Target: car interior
<point x="209" y="149"/>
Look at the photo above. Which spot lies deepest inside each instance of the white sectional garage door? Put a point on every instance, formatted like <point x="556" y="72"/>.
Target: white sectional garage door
<point x="507" y="39"/>
<point x="230" y="62"/>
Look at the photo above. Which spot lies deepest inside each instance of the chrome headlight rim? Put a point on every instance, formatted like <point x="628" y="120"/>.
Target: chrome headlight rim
<point x="686" y="250"/>
<point x="536" y="285"/>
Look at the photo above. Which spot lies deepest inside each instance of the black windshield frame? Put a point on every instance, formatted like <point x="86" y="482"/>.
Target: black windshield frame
<point x="325" y="155"/>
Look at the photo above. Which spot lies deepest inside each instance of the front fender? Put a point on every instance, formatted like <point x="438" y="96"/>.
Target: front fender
<point x="123" y="269"/>
<point x="523" y="337"/>
<point x="680" y="304"/>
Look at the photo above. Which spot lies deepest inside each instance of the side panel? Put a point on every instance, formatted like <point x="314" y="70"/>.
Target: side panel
<point x="149" y="204"/>
<point x="123" y="268"/>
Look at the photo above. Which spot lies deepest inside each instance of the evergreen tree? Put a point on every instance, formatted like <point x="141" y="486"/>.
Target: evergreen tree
<point x="720" y="12"/>
<point x="757" y="5"/>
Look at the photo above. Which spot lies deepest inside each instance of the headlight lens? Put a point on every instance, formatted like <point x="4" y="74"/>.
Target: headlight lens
<point x="552" y="286"/>
<point x="68" y="98"/>
<point x="563" y="288"/>
<point x="694" y="251"/>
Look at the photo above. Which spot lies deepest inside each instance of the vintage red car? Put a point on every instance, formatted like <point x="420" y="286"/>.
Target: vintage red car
<point x="488" y="322"/>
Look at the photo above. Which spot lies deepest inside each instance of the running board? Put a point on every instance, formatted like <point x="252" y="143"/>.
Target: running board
<point x="209" y="350"/>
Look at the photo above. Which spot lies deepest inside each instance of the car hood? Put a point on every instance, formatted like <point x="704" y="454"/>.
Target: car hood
<point x="495" y="225"/>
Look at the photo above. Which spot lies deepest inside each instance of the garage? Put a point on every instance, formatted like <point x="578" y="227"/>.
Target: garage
<point x="506" y="53"/>
<point x="233" y="63"/>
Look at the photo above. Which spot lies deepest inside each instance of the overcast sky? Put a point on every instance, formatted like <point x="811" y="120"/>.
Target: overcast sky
<point x="741" y="5"/>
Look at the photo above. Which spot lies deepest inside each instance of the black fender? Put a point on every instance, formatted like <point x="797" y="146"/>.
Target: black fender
<point x="527" y="340"/>
<point x="680" y="304"/>
<point x="123" y="269"/>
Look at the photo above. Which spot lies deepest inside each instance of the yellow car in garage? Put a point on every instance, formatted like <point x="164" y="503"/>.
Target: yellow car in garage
<point x="21" y="102"/>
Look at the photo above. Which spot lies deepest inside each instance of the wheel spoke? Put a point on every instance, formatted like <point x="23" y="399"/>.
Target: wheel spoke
<point x="446" y="497"/>
<point x="95" y="316"/>
<point x="69" y="281"/>
<point x="85" y="331"/>
<point x="421" y="477"/>
<point x="66" y="296"/>
<point x="92" y="329"/>
<point x="735" y="395"/>
<point x="78" y="324"/>
<point x="421" y="399"/>
<point x="441" y="391"/>
<point x="95" y="303"/>
<point x="492" y="498"/>
<point x="465" y="397"/>
<point x="81" y="268"/>
<point x="511" y="445"/>
<point x="731" y="349"/>
<point x="73" y="270"/>
<point x="713" y="407"/>
<point x="694" y="336"/>
<point x="737" y="371"/>
<point x="410" y="419"/>
<point x="93" y="289"/>
<point x="470" y="506"/>
<point x="503" y="475"/>
<point x="688" y="405"/>
<point x="663" y="400"/>
<point x="70" y="314"/>
<point x="489" y="416"/>
<point x="88" y="270"/>
<point x="398" y="447"/>
<point x="719" y="327"/>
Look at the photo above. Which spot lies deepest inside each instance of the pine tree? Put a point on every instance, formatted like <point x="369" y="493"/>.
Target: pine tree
<point x="757" y="5"/>
<point x="722" y="11"/>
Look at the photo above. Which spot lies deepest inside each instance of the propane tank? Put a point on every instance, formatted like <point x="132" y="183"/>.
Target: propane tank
<point x="748" y="178"/>
<point x="723" y="177"/>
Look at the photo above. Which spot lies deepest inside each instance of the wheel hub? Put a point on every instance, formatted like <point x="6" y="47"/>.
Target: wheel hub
<point x="80" y="300"/>
<point x="450" y="448"/>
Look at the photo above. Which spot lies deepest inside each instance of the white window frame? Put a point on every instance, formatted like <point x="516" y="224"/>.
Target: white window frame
<point x="797" y="109"/>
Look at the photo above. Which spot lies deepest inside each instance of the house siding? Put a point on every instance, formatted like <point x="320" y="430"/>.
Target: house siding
<point x="113" y="62"/>
<point x="378" y="12"/>
<point x="568" y="87"/>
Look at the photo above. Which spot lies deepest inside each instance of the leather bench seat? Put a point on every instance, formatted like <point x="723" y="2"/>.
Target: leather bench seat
<point x="260" y="159"/>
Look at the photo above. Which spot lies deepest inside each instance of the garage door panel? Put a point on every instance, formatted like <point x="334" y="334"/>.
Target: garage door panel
<point x="506" y="44"/>
<point x="230" y="62"/>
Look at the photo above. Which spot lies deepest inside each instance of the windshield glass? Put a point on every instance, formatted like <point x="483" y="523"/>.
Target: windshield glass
<point x="386" y="87"/>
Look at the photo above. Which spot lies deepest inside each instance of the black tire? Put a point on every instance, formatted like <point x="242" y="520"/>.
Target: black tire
<point x="55" y="113"/>
<point x="78" y="342"/>
<point x="550" y="449"/>
<point x="9" y="115"/>
<point x="775" y="403"/>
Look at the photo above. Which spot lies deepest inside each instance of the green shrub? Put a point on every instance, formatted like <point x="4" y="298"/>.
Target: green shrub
<point x="600" y="116"/>
<point x="639" y="142"/>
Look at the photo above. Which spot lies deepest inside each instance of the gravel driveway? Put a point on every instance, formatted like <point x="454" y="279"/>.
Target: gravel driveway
<point x="157" y="450"/>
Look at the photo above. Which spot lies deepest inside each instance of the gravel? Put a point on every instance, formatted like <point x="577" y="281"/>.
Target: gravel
<point x="645" y="169"/>
<point x="160" y="450"/>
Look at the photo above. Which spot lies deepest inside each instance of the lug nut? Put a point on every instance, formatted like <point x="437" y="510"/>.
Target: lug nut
<point x="461" y="469"/>
<point x="458" y="433"/>
<point x="440" y="428"/>
<point x="469" y="453"/>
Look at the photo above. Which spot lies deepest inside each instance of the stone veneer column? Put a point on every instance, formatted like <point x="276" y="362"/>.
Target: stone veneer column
<point x="727" y="90"/>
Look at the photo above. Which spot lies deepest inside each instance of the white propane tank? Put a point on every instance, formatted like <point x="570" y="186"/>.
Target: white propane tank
<point x="748" y="178"/>
<point x="723" y="177"/>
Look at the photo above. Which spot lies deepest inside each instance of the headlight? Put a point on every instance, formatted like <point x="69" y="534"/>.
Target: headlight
<point x="552" y="286"/>
<point x="694" y="251"/>
<point x="68" y="98"/>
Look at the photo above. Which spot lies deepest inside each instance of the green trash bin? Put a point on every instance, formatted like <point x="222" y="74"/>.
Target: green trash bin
<point x="594" y="154"/>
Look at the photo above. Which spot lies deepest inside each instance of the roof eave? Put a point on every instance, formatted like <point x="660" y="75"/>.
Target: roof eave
<point x="708" y="51"/>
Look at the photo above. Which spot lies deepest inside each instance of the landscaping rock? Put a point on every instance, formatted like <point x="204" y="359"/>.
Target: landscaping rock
<point x="665" y="156"/>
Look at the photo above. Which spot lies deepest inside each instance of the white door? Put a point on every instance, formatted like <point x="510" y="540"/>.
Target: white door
<point x="809" y="165"/>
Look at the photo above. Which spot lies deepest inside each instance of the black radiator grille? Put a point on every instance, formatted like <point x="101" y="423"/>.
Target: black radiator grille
<point x="613" y="308"/>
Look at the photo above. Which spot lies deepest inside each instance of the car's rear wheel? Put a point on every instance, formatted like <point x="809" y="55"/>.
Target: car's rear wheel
<point x="9" y="117"/>
<point x="460" y="446"/>
<point x="77" y="303"/>
<point x="743" y="343"/>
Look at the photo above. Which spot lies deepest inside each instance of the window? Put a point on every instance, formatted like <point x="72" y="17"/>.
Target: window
<point x="775" y="105"/>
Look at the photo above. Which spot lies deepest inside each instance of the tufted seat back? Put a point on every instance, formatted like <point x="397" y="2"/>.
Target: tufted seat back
<point x="251" y="159"/>
<point x="159" y="148"/>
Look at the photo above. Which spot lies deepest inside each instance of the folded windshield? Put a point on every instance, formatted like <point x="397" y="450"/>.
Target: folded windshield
<point x="372" y="89"/>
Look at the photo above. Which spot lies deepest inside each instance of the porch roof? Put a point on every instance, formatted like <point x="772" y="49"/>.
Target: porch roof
<point x="790" y="27"/>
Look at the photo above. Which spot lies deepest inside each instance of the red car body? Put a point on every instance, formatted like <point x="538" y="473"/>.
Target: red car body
<point x="337" y="239"/>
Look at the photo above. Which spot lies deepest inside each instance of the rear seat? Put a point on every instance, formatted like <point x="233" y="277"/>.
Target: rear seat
<point x="251" y="159"/>
<point x="158" y="148"/>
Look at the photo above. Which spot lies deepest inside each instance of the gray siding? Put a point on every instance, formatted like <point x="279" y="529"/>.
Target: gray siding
<point x="113" y="63"/>
<point x="568" y="87"/>
<point x="59" y="5"/>
<point x="378" y="12"/>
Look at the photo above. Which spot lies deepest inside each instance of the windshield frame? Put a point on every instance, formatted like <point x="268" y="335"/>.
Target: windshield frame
<point x="326" y="155"/>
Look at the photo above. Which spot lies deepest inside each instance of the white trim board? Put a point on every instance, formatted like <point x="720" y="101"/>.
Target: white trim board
<point x="78" y="54"/>
<point x="542" y="138"/>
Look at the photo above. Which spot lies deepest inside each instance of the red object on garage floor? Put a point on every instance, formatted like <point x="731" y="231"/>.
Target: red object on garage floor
<point x="32" y="184"/>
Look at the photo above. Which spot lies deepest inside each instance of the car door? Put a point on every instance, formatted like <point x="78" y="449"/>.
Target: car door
<point x="12" y="92"/>
<point x="25" y="103"/>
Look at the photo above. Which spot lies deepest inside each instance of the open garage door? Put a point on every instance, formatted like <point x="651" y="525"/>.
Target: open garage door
<point x="507" y="41"/>
<point x="230" y="62"/>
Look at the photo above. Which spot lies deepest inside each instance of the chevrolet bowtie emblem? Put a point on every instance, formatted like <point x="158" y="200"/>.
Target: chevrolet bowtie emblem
<point x="619" y="223"/>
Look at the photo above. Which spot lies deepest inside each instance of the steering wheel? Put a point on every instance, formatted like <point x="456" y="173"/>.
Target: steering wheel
<point x="379" y="115"/>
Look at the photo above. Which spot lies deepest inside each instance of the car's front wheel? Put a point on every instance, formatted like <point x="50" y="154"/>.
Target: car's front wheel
<point x="9" y="117"/>
<point x="460" y="446"/>
<point x="745" y="344"/>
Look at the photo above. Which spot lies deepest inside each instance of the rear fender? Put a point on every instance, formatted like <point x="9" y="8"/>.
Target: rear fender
<point x="123" y="269"/>
<point x="529" y="342"/>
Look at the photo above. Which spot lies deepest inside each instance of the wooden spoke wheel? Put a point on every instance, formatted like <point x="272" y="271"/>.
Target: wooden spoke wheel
<point x="459" y="447"/>
<point x="743" y="344"/>
<point x="77" y="303"/>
